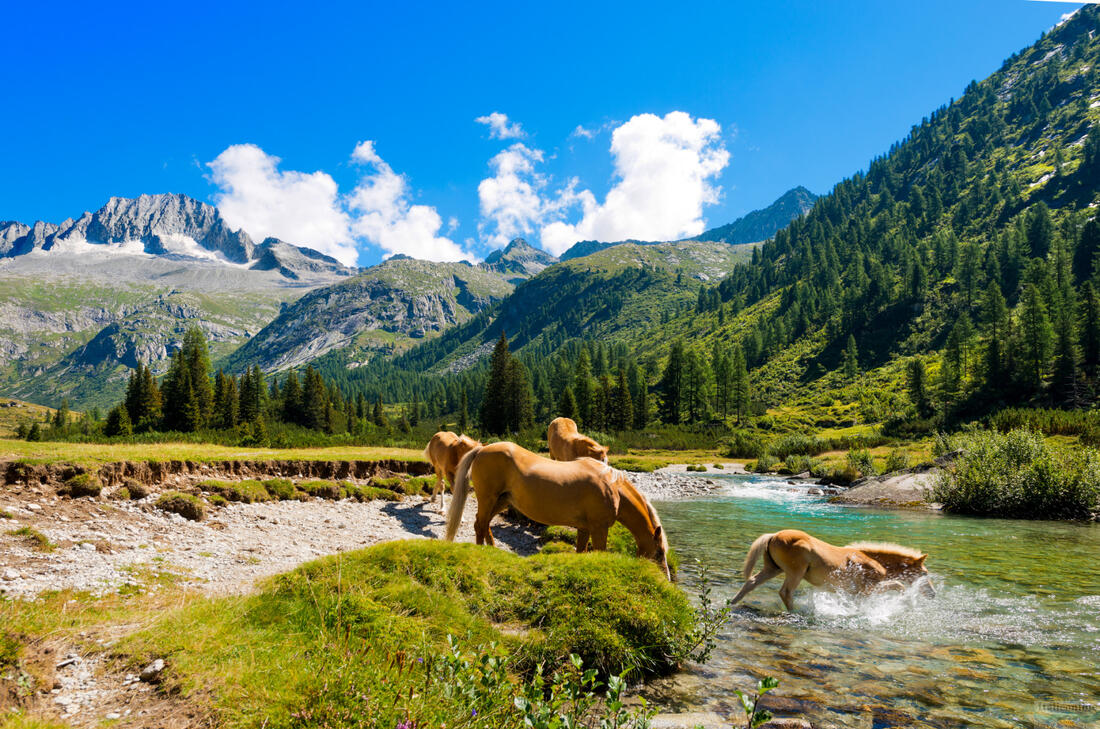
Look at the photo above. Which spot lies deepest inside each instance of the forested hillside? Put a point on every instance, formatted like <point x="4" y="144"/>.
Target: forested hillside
<point x="960" y="268"/>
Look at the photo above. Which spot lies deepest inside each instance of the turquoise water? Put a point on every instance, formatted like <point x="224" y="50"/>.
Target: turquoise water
<point x="1012" y="638"/>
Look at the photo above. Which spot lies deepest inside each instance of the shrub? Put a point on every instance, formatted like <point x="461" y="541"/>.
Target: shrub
<point x="136" y="489"/>
<point x="218" y="500"/>
<point x="797" y="444"/>
<point x="4" y="514"/>
<point x="280" y="488"/>
<point x="765" y="464"/>
<point x="186" y="505"/>
<point x="82" y="484"/>
<point x="896" y="460"/>
<point x="862" y="462"/>
<point x="744" y="445"/>
<point x="799" y="464"/>
<point x="1018" y="474"/>
<point x="122" y="494"/>
<point x="695" y="468"/>
<point x="942" y="445"/>
<point x="34" y="538"/>
<point x="249" y="491"/>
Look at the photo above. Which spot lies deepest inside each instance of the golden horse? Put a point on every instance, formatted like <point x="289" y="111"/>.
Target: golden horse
<point x="444" y="451"/>
<point x="585" y="494"/>
<point x="567" y="444"/>
<point x="857" y="567"/>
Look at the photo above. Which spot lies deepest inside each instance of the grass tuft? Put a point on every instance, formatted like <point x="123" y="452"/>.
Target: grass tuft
<point x="36" y="539"/>
<point x="186" y="505"/>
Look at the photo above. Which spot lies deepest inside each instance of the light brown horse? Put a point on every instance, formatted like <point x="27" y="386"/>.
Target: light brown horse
<point x="857" y="567"/>
<point x="567" y="444"/>
<point x="444" y="451"/>
<point x="585" y="494"/>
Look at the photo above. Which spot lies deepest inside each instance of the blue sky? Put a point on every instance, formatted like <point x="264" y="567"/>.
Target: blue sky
<point x="752" y="98"/>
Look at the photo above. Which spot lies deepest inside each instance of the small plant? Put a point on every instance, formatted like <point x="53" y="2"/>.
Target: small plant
<point x="218" y="500"/>
<point x="862" y="462"/>
<point x="765" y="463"/>
<point x="82" y="484"/>
<point x="942" y="444"/>
<point x="280" y="488"/>
<point x="896" y="460"/>
<point x="34" y="538"/>
<point x="122" y="494"/>
<point x="186" y="505"/>
<point x="6" y="514"/>
<point x="709" y="619"/>
<point x="755" y="717"/>
<point x="696" y="468"/>
<point x="137" y="490"/>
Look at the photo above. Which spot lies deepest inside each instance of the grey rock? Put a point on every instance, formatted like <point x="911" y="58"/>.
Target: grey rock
<point x="152" y="672"/>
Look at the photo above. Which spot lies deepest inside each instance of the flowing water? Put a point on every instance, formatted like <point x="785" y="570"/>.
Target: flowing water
<point x="1012" y="638"/>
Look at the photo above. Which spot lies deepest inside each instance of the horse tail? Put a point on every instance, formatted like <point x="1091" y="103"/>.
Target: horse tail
<point x="459" y="489"/>
<point x="759" y="546"/>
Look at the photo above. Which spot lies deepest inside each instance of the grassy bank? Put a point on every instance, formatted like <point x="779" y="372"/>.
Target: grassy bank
<point x="97" y="453"/>
<point x="419" y="631"/>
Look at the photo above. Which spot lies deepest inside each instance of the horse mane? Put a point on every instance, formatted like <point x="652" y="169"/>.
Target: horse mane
<point x="889" y="548"/>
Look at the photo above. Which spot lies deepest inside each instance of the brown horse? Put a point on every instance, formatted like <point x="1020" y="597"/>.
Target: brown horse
<point x="444" y="451"/>
<point x="585" y="494"/>
<point x="567" y="444"/>
<point x="857" y="567"/>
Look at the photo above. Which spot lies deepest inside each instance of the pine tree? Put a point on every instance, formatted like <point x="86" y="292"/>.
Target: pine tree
<point x="917" y="381"/>
<point x="739" y="383"/>
<point x="624" y="404"/>
<point x="463" y="414"/>
<point x="196" y="354"/>
<point x="696" y="381"/>
<point x="567" y="406"/>
<point x="1036" y="333"/>
<point x="1040" y="230"/>
<point x="1090" y="329"/>
<point x="414" y="410"/>
<point x="850" y="366"/>
<point x="118" y="422"/>
<point x="292" y="411"/>
<point x="995" y="322"/>
<point x="226" y="401"/>
<point x="582" y="387"/>
<point x="377" y="414"/>
<point x="34" y="433"/>
<point x="494" y="403"/>
<point x="1066" y="359"/>
<point x="315" y="400"/>
<point x="519" y="400"/>
<point x="671" y="386"/>
<point x="62" y="416"/>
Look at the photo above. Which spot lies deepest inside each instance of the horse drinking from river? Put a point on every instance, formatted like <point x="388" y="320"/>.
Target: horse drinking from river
<point x="585" y="494"/>
<point x="857" y="567"/>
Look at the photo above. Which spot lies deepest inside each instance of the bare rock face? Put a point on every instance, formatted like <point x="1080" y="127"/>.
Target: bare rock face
<point x="518" y="261"/>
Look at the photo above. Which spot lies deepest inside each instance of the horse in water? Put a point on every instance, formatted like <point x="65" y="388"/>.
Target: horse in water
<point x="585" y="494"/>
<point x="444" y="451"/>
<point x="567" y="444"/>
<point x="857" y="567"/>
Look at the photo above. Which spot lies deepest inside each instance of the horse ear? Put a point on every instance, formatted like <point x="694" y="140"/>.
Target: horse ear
<point x="920" y="560"/>
<point x="658" y="532"/>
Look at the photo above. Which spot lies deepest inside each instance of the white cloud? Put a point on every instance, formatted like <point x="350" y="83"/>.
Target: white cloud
<point x="665" y="169"/>
<point x="384" y="215"/>
<point x="298" y="207"/>
<point x="499" y="127"/>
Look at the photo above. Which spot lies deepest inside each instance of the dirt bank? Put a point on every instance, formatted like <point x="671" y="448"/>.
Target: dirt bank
<point x="158" y="472"/>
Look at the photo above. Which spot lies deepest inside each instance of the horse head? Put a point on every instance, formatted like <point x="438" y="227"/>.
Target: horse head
<point x="661" y="555"/>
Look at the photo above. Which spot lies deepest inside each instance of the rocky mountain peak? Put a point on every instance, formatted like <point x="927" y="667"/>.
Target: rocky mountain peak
<point x="520" y="258"/>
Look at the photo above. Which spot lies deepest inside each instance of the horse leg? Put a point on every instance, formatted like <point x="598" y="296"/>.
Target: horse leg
<point x="481" y="523"/>
<point x="438" y="485"/>
<point x="599" y="538"/>
<point x="582" y="540"/>
<point x="787" y="590"/>
<point x="768" y="571"/>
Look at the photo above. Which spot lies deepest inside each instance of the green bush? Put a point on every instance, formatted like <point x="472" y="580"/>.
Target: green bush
<point x="765" y="463"/>
<point x="186" y="505"/>
<point x="896" y="460"/>
<point x="797" y="444"/>
<point x="744" y="445"/>
<point x="82" y="484"/>
<point x="122" y="494"/>
<point x="695" y="468"/>
<point x="136" y="489"/>
<point x="862" y="462"/>
<point x="280" y="488"/>
<point x="1018" y="474"/>
<point x="799" y="464"/>
<point x="218" y="500"/>
<point x="249" y="491"/>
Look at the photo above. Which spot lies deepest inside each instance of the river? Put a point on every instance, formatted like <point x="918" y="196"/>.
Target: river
<point x="1012" y="638"/>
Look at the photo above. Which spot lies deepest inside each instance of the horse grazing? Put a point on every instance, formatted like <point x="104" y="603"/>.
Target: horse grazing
<point x="857" y="567"/>
<point x="444" y="451"/>
<point x="585" y="494"/>
<point x="567" y="444"/>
